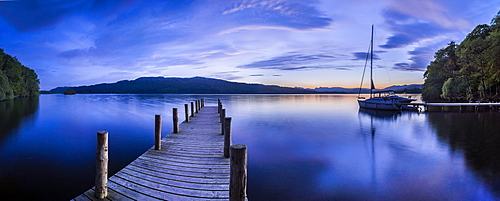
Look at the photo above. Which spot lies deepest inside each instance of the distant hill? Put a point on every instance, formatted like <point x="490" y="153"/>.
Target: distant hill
<point x="195" y="85"/>
<point x="412" y="88"/>
<point x="201" y="85"/>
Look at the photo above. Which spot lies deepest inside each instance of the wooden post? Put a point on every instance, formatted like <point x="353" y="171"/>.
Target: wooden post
<point x="222" y="116"/>
<point x="219" y="105"/>
<point x="192" y="109"/>
<point x="202" y="102"/>
<point x="101" y="177"/>
<point x="186" y="112"/>
<point x="175" y="117"/>
<point x="196" y="106"/>
<point x="227" y="136"/>
<point x="238" y="178"/>
<point x="157" y="132"/>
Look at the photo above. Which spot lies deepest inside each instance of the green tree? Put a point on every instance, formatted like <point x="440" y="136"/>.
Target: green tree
<point x="16" y="79"/>
<point x="473" y="59"/>
<point x="442" y="68"/>
<point x="5" y="90"/>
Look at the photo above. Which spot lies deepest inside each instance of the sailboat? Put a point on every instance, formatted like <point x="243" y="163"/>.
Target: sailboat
<point x="380" y="99"/>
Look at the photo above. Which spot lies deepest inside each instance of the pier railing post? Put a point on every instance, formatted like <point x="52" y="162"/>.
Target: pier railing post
<point x="196" y="106"/>
<point x="186" y="112"/>
<point x="202" y="102"/>
<point x="238" y="178"/>
<point x="175" y="118"/>
<point x="101" y="178"/>
<point x="192" y="109"/>
<point x="157" y="132"/>
<point x="227" y="135"/>
<point x="222" y="116"/>
<point x="219" y="105"/>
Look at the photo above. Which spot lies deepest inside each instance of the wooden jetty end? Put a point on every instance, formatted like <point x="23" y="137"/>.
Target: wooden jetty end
<point x="456" y="107"/>
<point x="189" y="166"/>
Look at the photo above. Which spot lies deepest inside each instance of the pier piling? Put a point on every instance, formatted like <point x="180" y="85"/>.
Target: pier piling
<point x="186" y="112"/>
<point x="101" y="178"/>
<point x="192" y="109"/>
<point x="175" y="118"/>
<point x="227" y="135"/>
<point x="238" y="177"/>
<point x="157" y="132"/>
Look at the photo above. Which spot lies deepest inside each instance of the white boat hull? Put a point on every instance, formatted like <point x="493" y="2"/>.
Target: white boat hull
<point x="379" y="104"/>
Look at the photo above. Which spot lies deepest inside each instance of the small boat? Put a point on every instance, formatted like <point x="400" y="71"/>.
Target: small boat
<point x="380" y="99"/>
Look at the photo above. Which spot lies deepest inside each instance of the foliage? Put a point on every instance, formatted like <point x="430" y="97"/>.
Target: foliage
<point x="69" y="92"/>
<point x="469" y="71"/>
<point x="16" y="80"/>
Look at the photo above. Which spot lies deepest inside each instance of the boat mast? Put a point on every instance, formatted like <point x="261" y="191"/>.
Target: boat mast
<point x="371" y="66"/>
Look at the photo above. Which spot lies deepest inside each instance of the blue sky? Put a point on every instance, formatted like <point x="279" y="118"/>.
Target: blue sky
<point x="317" y="43"/>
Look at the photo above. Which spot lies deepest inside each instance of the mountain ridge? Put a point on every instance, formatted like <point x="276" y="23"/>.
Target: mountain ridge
<point x="194" y="85"/>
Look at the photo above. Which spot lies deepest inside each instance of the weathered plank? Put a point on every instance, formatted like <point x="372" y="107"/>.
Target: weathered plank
<point x="189" y="166"/>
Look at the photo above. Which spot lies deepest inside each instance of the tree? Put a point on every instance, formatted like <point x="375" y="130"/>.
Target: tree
<point x="473" y="60"/>
<point x="69" y="92"/>
<point x="16" y="79"/>
<point x="442" y="68"/>
<point x="5" y="90"/>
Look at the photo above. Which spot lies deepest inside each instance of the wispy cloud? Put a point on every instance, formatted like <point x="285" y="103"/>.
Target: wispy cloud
<point x="408" y="30"/>
<point x="420" y="58"/>
<point x="293" y="62"/>
<point x="365" y="55"/>
<point x="294" y="14"/>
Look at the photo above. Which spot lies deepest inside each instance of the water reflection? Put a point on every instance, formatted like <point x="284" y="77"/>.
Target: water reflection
<point x="476" y="136"/>
<point x="14" y="112"/>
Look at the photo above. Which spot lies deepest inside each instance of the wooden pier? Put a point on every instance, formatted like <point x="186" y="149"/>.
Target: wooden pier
<point x="455" y="107"/>
<point x="189" y="165"/>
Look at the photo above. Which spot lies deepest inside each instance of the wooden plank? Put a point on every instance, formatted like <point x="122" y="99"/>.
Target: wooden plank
<point x="179" y="172"/>
<point x="127" y="191"/>
<point x="180" y="177"/>
<point x="175" y="182"/>
<point x="168" y="187"/>
<point x="181" y="163"/>
<point x="221" y="169"/>
<point x="143" y="192"/>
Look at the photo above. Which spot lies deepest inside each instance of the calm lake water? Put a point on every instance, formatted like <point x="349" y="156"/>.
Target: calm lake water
<point x="300" y="147"/>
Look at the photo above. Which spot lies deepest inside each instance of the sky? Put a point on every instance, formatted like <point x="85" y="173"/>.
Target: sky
<point x="294" y="43"/>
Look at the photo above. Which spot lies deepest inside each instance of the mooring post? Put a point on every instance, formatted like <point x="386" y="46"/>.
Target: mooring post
<point x="199" y="105"/>
<point x="175" y="118"/>
<point x="192" y="109"/>
<point x="219" y="105"/>
<point x="196" y="106"/>
<point x="227" y="136"/>
<point x="202" y="102"/>
<point x="101" y="177"/>
<point x="222" y="116"/>
<point x="157" y="132"/>
<point x="186" y="112"/>
<point x="238" y="178"/>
